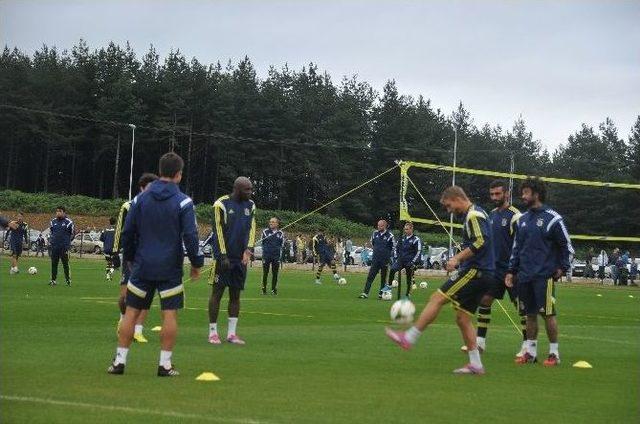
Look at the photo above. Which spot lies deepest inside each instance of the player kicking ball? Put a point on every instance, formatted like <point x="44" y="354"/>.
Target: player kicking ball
<point x="472" y="271"/>
<point x="324" y="253"/>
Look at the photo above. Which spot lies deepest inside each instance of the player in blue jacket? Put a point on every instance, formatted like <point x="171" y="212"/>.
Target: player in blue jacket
<point x="232" y="245"/>
<point x="272" y="241"/>
<point x="407" y="255"/>
<point x="16" y="236"/>
<point x="324" y="253"/>
<point x="159" y="222"/>
<point x="107" y="238"/>
<point x="62" y="232"/>
<point x="382" y="243"/>
<point x="540" y="256"/>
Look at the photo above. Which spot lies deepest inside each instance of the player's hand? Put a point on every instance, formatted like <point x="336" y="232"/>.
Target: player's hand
<point x="556" y="275"/>
<point x="13" y="225"/>
<point x="195" y="273"/>
<point x="224" y="263"/>
<point x="508" y="280"/>
<point x="452" y="264"/>
<point x="246" y="256"/>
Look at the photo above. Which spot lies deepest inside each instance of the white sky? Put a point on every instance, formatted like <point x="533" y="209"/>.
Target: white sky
<point x="556" y="63"/>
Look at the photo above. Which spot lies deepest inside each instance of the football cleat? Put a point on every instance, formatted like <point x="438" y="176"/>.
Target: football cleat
<point x="235" y="340"/>
<point x="264" y="290"/>
<point x="171" y="372"/>
<point x="551" y="361"/>
<point x="318" y="281"/>
<point x="274" y="292"/>
<point x="398" y="337"/>
<point x="215" y="339"/>
<point x="527" y="358"/>
<point x="364" y="296"/>
<point x="68" y="283"/>
<point x="140" y="338"/>
<point x="116" y="369"/>
<point x="522" y="351"/>
<point x="465" y="349"/>
<point x="469" y="370"/>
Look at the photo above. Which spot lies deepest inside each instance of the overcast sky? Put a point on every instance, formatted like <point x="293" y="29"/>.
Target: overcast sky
<point x="556" y="63"/>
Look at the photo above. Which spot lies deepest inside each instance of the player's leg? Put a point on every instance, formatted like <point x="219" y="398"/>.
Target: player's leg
<point x="238" y="276"/>
<point x="409" y="272"/>
<point x="14" y="261"/>
<point x="319" y="271"/>
<point x="529" y="305"/>
<point x="171" y="300"/>
<point x="138" y="335"/>
<point x="406" y="339"/>
<point x="65" y="266"/>
<point x="551" y="323"/>
<point x="465" y="324"/>
<point x="334" y="269"/>
<point x="484" y="319"/>
<point x="275" y="269"/>
<point x="373" y="270"/>
<point x="265" y="274"/>
<point x="214" y="308"/>
<point x="55" y="258"/>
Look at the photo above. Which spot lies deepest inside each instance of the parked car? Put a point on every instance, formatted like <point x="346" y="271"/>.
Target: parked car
<point x="578" y="268"/>
<point x="437" y="257"/>
<point x="87" y="243"/>
<point x="356" y="256"/>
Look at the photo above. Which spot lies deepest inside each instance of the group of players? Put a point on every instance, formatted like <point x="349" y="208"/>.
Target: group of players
<point x="523" y="254"/>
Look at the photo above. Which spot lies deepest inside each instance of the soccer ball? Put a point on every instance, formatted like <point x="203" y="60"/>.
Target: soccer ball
<point x="394" y="283"/>
<point x="342" y="281"/>
<point x="386" y="295"/>
<point x="424" y="285"/>
<point x="402" y="311"/>
<point x="33" y="270"/>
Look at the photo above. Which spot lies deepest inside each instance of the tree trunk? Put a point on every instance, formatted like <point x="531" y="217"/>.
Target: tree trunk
<point x="203" y="176"/>
<point x="9" y="161"/>
<point x="46" y="167"/>
<point x="73" y="167"/>
<point x="188" y="182"/>
<point x="116" y="193"/>
<point x="280" y="182"/>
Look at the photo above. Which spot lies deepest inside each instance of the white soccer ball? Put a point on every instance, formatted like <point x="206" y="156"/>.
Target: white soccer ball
<point x="394" y="283"/>
<point x="386" y="295"/>
<point x="342" y="281"/>
<point x="33" y="270"/>
<point x="424" y="285"/>
<point x="402" y="311"/>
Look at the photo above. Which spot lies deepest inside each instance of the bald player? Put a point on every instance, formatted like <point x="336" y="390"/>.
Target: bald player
<point x="382" y="243"/>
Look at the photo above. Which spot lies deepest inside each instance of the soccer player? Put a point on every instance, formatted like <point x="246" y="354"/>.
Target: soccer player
<point x="16" y="236"/>
<point x="472" y="272"/>
<point x="323" y="252"/>
<point x="503" y="220"/>
<point x="62" y="232"/>
<point x="540" y="256"/>
<point x="407" y="256"/>
<point x="382" y="242"/>
<point x="40" y="245"/>
<point x="272" y="240"/>
<point x="232" y="242"/>
<point x="159" y="222"/>
<point x="113" y="258"/>
<point x="143" y="183"/>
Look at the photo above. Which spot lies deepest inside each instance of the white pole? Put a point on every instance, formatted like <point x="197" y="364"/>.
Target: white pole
<point x="133" y="143"/>
<point x="453" y="182"/>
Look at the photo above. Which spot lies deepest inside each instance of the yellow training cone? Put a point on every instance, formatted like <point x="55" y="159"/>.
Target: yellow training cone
<point x="156" y="328"/>
<point x="582" y="364"/>
<point x="207" y="376"/>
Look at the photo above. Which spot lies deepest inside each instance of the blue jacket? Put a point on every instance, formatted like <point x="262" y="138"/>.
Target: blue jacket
<point x="62" y="232"/>
<point x="476" y="235"/>
<point x="234" y="227"/>
<point x="408" y="250"/>
<point x="382" y="244"/>
<point x="159" y="221"/>
<point x="16" y="236"/>
<point x="107" y="238"/>
<point x="321" y="247"/>
<point x="504" y="224"/>
<point x="542" y="245"/>
<point x="272" y="242"/>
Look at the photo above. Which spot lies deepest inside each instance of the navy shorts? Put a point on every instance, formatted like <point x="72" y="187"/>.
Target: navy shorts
<point x="16" y="249"/>
<point x="325" y="260"/>
<point x="537" y="297"/>
<point x="140" y="294"/>
<point x="497" y="287"/>
<point x="270" y="261"/>
<point x="466" y="289"/>
<point x="234" y="277"/>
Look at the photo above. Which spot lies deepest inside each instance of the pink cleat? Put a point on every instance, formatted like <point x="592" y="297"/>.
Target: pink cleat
<point x="399" y="338"/>
<point x="233" y="339"/>
<point x="215" y="339"/>
<point x="469" y="370"/>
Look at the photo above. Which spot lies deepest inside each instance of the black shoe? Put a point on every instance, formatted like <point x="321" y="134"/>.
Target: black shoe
<point x="365" y="296"/>
<point x="171" y="372"/>
<point x="53" y="283"/>
<point x="68" y="283"/>
<point x="274" y="292"/>
<point x="116" y="369"/>
<point x="264" y="291"/>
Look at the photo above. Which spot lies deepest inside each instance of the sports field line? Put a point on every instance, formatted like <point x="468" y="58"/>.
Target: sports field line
<point x="127" y="409"/>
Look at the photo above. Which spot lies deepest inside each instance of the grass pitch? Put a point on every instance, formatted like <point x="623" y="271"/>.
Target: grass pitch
<point x="313" y="354"/>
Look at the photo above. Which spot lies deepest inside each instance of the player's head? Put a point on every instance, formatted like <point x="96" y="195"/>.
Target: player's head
<point x="408" y="228"/>
<point x="382" y="225"/>
<point x="533" y="191"/>
<point x="146" y="179"/>
<point x="455" y="200"/>
<point x="170" y="167"/>
<point x="499" y="193"/>
<point x="112" y="220"/>
<point x="274" y="223"/>
<point x="60" y="212"/>
<point x="20" y="217"/>
<point x="242" y="188"/>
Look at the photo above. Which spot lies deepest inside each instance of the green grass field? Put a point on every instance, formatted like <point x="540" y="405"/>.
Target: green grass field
<point x="313" y="354"/>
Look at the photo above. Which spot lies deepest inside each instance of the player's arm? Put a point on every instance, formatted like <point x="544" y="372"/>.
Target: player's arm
<point x="560" y="236"/>
<point x="514" y="260"/>
<point x="26" y="233"/>
<point x="119" y="227"/>
<point x="252" y="230"/>
<point x="72" y="230"/>
<point x="314" y="245"/>
<point x="478" y="239"/>
<point x="417" y="257"/>
<point x="219" y="214"/>
<point x="128" y="239"/>
<point x="189" y="228"/>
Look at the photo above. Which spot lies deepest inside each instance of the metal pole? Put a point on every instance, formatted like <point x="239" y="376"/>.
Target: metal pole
<point x="133" y="143"/>
<point x="511" y="169"/>
<point x="453" y="182"/>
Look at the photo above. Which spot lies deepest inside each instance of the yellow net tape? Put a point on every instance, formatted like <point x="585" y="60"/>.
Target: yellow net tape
<point x="406" y="216"/>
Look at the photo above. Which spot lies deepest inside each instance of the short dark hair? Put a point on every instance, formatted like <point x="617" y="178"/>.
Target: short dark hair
<point x="112" y="220"/>
<point x="536" y="185"/>
<point x="499" y="183"/>
<point x="170" y="164"/>
<point x="409" y="223"/>
<point x="146" y="178"/>
<point x="62" y="208"/>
